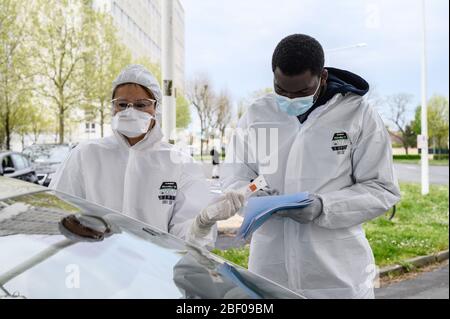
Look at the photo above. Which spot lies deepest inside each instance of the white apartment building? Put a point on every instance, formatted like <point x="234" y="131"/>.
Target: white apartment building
<point x="139" y="26"/>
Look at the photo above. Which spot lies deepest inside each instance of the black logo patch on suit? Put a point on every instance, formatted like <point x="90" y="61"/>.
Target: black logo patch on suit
<point x="340" y="143"/>
<point x="168" y="192"/>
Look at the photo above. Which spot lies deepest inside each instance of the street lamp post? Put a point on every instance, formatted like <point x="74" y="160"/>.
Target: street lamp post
<point x="424" y="115"/>
<point x="168" y="66"/>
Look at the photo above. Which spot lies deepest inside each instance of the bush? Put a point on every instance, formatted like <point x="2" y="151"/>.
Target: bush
<point x="407" y="157"/>
<point x="440" y="157"/>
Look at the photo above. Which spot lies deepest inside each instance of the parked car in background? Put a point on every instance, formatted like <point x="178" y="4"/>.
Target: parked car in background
<point x="17" y="165"/>
<point x="53" y="245"/>
<point x="46" y="159"/>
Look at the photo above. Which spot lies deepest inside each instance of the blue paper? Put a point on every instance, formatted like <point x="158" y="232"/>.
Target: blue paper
<point x="260" y="209"/>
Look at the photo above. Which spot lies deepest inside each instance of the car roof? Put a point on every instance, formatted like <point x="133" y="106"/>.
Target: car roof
<point x="5" y="153"/>
<point x="10" y="187"/>
<point x="52" y="243"/>
<point x="47" y="145"/>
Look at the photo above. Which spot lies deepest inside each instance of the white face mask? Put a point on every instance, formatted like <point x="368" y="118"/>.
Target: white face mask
<point x="297" y="106"/>
<point x="131" y="123"/>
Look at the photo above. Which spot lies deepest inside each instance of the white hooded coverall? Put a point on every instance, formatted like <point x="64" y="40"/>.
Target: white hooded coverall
<point x="342" y="153"/>
<point x="150" y="181"/>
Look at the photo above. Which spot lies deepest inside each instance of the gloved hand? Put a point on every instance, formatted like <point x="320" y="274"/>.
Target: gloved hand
<point x="226" y="207"/>
<point x="304" y="215"/>
<point x="266" y="192"/>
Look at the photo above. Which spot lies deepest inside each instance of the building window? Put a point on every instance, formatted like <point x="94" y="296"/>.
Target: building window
<point x="90" y="128"/>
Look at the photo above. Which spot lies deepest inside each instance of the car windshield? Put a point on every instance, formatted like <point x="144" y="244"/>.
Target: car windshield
<point x="53" y="154"/>
<point x="41" y="256"/>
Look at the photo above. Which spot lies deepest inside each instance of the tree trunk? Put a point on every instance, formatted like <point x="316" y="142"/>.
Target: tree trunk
<point x="102" y="122"/>
<point x="207" y="144"/>
<point x="202" y="132"/>
<point x="7" y="130"/>
<point x="201" y="148"/>
<point x="61" y="125"/>
<point x="222" y="136"/>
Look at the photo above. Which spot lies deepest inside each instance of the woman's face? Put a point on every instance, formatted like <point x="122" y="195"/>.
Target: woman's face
<point x="132" y="93"/>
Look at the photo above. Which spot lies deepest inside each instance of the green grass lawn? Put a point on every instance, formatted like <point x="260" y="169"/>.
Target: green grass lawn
<point x="417" y="162"/>
<point x="419" y="228"/>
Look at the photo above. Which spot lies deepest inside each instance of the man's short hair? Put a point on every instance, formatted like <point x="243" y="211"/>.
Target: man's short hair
<point x="298" y="53"/>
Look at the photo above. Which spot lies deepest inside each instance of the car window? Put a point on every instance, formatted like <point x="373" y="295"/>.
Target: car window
<point x="7" y="162"/>
<point x="19" y="161"/>
<point x="48" y="153"/>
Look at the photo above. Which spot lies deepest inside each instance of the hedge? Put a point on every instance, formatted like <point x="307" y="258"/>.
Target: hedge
<point x="407" y="157"/>
<point x="440" y="157"/>
<point x="415" y="157"/>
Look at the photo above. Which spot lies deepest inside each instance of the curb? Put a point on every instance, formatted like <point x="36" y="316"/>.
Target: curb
<point x="416" y="262"/>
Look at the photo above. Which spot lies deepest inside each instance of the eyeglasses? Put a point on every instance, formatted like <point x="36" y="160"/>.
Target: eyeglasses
<point x="140" y="105"/>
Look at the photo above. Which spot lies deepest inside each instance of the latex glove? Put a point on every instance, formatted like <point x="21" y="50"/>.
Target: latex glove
<point x="266" y="192"/>
<point x="226" y="207"/>
<point x="304" y="215"/>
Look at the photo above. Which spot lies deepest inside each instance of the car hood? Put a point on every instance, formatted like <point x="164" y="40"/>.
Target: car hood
<point x="10" y="187"/>
<point x="43" y="254"/>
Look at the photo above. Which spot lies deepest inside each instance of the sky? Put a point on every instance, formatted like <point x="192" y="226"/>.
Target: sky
<point x="232" y="41"/>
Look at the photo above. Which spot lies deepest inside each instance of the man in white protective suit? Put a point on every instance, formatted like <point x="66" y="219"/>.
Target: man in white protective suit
<point x="315" y="134"/>
<point x="134" y="172"/>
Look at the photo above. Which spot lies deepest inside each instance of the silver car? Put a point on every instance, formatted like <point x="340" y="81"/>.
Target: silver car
<point x="53" y="245"/>
<point x="46" y="159"/>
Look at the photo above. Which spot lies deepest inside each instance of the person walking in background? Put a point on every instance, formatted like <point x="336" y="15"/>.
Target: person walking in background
<point x="215" y="157"/>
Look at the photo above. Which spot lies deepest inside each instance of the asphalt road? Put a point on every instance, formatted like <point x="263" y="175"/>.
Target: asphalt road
<point x="411" y="173"/>
<point x="430" y="285"/>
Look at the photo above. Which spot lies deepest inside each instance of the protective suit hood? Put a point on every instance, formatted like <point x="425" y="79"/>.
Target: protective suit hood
<point x="138" y="74"/>
<point x="343" y="82"/>
<point x="339" y="82"/>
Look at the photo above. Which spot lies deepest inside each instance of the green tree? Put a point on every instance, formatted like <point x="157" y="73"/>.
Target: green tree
<point x="224" y="113"/>
<point x="39" y="121"/>
<point x="203" y="98"/>
<point x="438" y="121"/>
<point x="398" y="105"/>
<point x="15" y="67"/>
<point x="104" y="58"/>
<point x="32" y="120"/>
<point x="183" y="112"/>
<point x="59" y="50"/>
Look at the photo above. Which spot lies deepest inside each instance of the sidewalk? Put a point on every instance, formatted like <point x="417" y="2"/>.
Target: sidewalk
<point x="428" y="285"/>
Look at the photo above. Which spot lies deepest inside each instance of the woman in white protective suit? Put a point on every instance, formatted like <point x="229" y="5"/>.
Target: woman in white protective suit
<point x="323" y="138"/>
<point x="134" y="172"/>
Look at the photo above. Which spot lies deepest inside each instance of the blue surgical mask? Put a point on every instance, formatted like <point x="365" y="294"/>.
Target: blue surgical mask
<point x="297" y="106"/>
